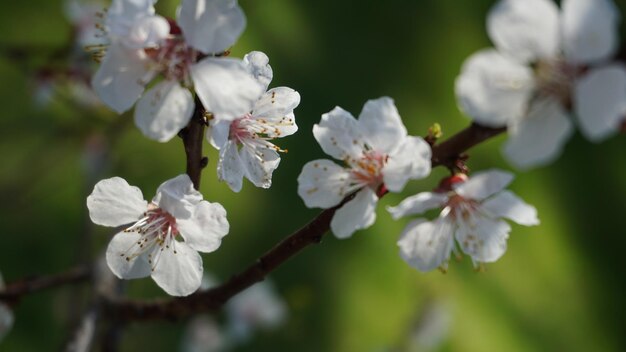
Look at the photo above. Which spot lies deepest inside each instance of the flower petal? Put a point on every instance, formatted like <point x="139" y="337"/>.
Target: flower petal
<point x="382" y="124"/>
<point x="484" y="184"/>
<point x="276" y="103"/>
<point x="493" y="89"/>
<point x="259" y="64"/>
<point x="323" y="184"/>
<point x="211" y="26"/>
<point x="507" y="204"/>
<point x="418" y="204"/>
<point x="409" y="161"/>
<point x="178" y="197"/>
<point x="259" y="164"/>
<point x="426" y="245"/>
<point x="339" y="134"/>
<point x="6" y="320"/>
<point x="225" y="86"/>
<point x="359" y="213"/>
<point x="113" y="202"/>
<point x="217" y="133"/>
<point x="164" y="110"/>
<point x="590" y="30"/>
<point x="178" y="270"/>
<point x="206" y="227"/>
<point x="485" y="242"/>
<point x="538" y="138"/>
<point x="147" y="32"/>
<point x="600" y="101"/>
<point x="119" y="260"/>
<point x="120" y="79"/>
<point x="123" y="14"/>
<point x="230" y="167"/>
<point x="526" y="30"/>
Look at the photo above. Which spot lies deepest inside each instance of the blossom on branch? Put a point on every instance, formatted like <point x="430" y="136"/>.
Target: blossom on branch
<point x="166" y="233"/>
<point x="378" y="155"/>
<point x="547" y="63"/>
<point x="187" y="54"/>
<point x="472" y="212"/>
<point x="245" y="143"/>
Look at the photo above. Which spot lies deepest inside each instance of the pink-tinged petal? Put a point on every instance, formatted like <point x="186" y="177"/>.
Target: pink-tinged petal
<point x="119" y="260"/>
<point x="206" y="227"/>
<point x="217" y="133"/>
<point x="178" y="270"/>
<point x="259" y="164"/>
<point x="259" y="65"/>
<point x="339" y="134"/>
<point x="538" y="138"/>
<point x="600" y="101"/>
<point x="357" y="214"/>
<point x="323" y="184"/>
<point x="418" y="204"/>
<point x="113" y="202"/>
<point x="426" y="245"/>
<point x="164" y="110"/>
<point x="211" y="26"/>
<point x="382" y="125"/>
<point x="485" y="240"/>
<point x="121" y="77"/>
<point x="230" y="168"/>
<point x="506" y="204"/>
<point x="484" y="184"/>
<point x="178" y="197"/>
<point x="526" y="30"/>
<point x="493" y="89"/>
<point x="590" y="30"/>
<point x="225" y="86"/>
<point x="410" y="160"/>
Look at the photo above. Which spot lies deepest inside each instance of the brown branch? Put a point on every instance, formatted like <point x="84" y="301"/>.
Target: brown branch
<point x="193" y="136"/>
<point x="447" y="152"/>
<point x="15" y="290"/>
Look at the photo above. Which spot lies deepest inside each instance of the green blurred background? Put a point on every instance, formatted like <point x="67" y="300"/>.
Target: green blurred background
<point x="560" y="286"/>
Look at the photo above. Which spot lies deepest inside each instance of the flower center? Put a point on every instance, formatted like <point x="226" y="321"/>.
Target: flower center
<point x="368" y="169"/>
<point x="256" y="133"/>
<point x="556" y="77"/>
<point x="173" y="58"/>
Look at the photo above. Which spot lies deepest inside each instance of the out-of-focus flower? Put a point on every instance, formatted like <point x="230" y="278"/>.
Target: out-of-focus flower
<point x="546" y="62"/>
<point x="203" y="334"/>
<point x="472" y="212"/>
<point x="84" y="16"/>
<point x="245" y="143"/>
<point x="166" y="234"/>
<point x="6" y="315"/>
<point x="378" y="156"/>
<point x="185" y="53"/>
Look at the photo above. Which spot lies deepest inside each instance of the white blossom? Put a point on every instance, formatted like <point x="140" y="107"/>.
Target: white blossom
<point x="6" y="315"/>
<point x="165" y="234"/>
<point x="472" y="213"/>
<point x="378" y="155"/>
<point x="546" y="62"/>
<point x="203" y="334"/>
<point x="84" y="14"/>
<point x="245" y="143"/>
<point x="186" y="53"/>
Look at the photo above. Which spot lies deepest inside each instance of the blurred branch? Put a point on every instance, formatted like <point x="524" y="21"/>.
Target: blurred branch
<point x="15" y="290"/>
<point x="193" y="136"/>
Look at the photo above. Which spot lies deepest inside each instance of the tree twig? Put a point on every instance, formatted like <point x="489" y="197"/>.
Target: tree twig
<point x="193" y="136"/>
<point x="15" y="290"/>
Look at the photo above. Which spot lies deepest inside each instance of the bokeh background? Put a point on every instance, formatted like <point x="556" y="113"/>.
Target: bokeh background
<point x="560" y="286"/>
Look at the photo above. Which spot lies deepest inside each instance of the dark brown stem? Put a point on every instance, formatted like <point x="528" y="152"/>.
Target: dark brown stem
<point x="449" y="151"/>
<point x="193" y="136"/>
<point x="16" y="289"/>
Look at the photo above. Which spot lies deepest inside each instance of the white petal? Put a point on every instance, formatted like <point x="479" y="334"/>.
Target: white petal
<point x="211" y="26"/>
<point x="259" y="165"/>
<point x="119" y="80"/>
<point x="164" y="110"/>
<point x="217" y="133"/>
<point x="6" y="320"/>
<point x="225" y="86"/>
<point x="339" y="134"/>
<point x="323" y="184"/>
<point x="119" y="260"/>
<point x="147" y="32"/>
<point x="418" y="204"/>
<point x="507" y="204"/>
<point x="177" y="196"/>
<point x="526" y="30"/>
<point x="206" y="227"/>
<point x="409" y="161"/>
<point x="359" y="213"/>
<point x="113" y="202"/>
<point x="484" y="184"/>
<point x="485" y="242"/>
<point x="538" y="138"/>
<point x="600" y="101"/>
<point x="122" y="14"/>
<point x="426" y="245"/>
<point x="493" y="89"/>
<point x="590" y="30"/>
<point x="178" y="270"/>
<point x="276" y="103"/>
<point x="382" y="124"/>
<point x="259" y="64"/>
<point x="230" y="167"/>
